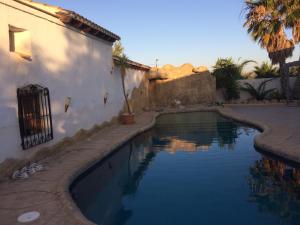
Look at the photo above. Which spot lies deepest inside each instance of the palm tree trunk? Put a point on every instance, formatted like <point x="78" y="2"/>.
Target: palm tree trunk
<point x="285" y="80"/>
<point x="123" y="73"/>
<point x="287" y="77"/>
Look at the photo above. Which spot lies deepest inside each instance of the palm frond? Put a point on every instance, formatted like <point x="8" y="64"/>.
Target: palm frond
<point x="250" y="89"/>
<point x="267" y="20"/>
<point x="122" y="61"/>
<point x="259" y="93"/>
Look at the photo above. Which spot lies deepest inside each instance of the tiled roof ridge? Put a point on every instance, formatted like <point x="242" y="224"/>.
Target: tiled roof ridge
<point x="73" y="19"/>
<point x="135" y="64"/>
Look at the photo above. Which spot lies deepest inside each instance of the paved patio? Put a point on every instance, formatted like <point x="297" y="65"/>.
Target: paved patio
<point x="47" y="191"/>
<point x="281" y="126"/>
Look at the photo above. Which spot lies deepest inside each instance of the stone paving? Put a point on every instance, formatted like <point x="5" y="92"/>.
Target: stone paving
<point x="281" y="125"/>
<point x="48" y="191"/>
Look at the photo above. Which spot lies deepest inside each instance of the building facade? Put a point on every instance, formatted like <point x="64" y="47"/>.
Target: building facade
<point x="56" y="77"/>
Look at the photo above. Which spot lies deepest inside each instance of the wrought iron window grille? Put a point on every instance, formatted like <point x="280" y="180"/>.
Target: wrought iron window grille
<point x="34" y="111"/>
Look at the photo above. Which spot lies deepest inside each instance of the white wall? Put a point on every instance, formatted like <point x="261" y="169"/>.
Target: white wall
<point x="70" y="64"/>
<point x="133" y="79"/>
<point x="275" y="83"/>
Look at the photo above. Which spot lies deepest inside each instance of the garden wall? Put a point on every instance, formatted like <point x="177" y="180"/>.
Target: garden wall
<point x="192" y="89"/>
<point x="274" y="83"/>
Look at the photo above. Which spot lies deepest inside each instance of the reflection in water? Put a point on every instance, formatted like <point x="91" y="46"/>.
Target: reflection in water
<point x="155" y="179"/>
<point x="275" y="187"/>
<point x="195" y="132"/>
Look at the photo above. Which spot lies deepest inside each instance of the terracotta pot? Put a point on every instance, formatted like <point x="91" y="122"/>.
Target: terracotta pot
<point x="127" y="118"/>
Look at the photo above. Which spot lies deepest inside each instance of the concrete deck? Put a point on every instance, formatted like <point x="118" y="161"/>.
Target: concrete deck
<point x="47" y="191"/>
<point x="281" y="126"/>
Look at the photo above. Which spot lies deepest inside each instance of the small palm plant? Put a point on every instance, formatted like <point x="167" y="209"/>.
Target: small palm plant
<point x="122" y="62"/>
<point x="259" y="93"/>
<point x="266" y="70"/>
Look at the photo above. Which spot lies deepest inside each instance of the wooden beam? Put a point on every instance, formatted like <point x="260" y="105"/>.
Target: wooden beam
<point x="96" y="32"/>
<point x="79" y="24"/>
<point x="65" y="18"/>
<point x="87" y="29"/>
<point x="101" y="35"/>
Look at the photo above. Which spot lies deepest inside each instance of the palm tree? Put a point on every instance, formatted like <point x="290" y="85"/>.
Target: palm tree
<point x="122" y="62"/>
<point x="266" y="70"/>
<point x="118" y="49"/>
<point x="237" y="68"/>
<point x="227" y="72"/>
<point x="267" y="22"/>
<point x="241" y="66"/>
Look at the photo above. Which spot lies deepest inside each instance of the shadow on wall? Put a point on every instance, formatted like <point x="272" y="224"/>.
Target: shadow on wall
<point x="70" y="65"/>
<point x="139" y="98"/>
<point x="199" y="88"/>
<point x="136" y="85"/>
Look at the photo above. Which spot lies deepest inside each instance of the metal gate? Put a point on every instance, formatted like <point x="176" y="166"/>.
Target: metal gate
<point x="34" y="111"/>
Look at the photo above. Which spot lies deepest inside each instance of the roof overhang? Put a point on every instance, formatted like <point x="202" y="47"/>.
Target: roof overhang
<point x="134" y="65"/>
<point x="81" y="23"/>
<point x="72" y="19"/>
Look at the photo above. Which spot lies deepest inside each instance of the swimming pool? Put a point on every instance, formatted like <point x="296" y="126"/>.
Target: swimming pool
<point x="190" y="169"/>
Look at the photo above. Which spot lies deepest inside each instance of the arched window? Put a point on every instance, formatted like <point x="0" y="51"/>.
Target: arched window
<point x="34" y="111"/>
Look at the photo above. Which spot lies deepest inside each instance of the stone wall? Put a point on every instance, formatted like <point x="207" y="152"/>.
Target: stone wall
<point x="196" y="88"/>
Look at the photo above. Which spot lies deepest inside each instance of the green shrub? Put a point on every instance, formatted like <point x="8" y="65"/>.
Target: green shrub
<point x="259" y="93"/>
<point x="266" y="70"/>
<point x="227" y="73"/>
<point x="276" y="95"/>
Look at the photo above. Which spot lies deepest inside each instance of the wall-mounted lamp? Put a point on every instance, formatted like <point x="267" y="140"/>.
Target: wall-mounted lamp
<point x="105" y="98"/>
<point x="112" y="67"/>
<point x="112" y="70"/>
<point x="67" y="103"/>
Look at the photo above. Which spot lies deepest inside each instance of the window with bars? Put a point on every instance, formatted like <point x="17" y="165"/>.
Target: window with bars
<point x="34" y="111"/>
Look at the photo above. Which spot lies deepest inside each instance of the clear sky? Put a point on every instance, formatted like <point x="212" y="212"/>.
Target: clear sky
<point x="175" y="32"/>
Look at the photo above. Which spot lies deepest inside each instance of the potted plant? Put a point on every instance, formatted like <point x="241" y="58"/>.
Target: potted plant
<point x="126" y="117"/>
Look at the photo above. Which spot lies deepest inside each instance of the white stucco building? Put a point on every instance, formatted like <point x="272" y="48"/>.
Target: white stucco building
<point x="65" y="53"/>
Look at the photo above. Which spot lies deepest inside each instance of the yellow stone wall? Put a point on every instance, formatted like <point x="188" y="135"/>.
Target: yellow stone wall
<point x="199" y="88"/>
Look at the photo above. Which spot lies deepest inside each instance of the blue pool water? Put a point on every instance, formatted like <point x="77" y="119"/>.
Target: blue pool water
<point x="190" y="169"/>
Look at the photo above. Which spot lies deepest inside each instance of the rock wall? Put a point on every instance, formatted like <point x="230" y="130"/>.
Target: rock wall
<point x="197" y="88"/>
<point x="172" y="72"/>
